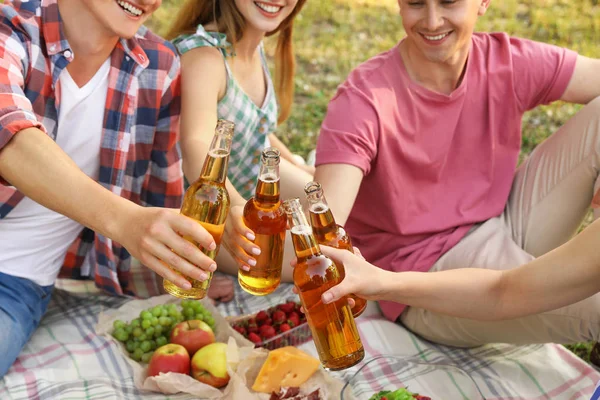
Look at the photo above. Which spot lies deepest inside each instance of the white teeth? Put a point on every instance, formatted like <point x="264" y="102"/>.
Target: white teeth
<point x="268" y="8"/>
<point x="438" y="37"/>
<point x="130" y="8"/>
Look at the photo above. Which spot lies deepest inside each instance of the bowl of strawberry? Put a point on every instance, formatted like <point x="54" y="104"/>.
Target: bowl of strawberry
<point x="278" y="326"/>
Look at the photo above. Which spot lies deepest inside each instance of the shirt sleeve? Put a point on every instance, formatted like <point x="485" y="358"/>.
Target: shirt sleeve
<point x="164" y="186"/>
<point x="541" y="71"/>
<point x="16" y="111"/>
<point x="350" y="131"/>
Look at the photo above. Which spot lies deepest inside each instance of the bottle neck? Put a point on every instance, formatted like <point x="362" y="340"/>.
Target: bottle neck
<point x="305" y="243"/>
<point x="267" y="187"/>
<point x="321" y="218"/>
<point x="215" y="166"/>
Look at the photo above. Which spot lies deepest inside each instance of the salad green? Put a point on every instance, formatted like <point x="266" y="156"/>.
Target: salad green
<point x="399" y="394"/>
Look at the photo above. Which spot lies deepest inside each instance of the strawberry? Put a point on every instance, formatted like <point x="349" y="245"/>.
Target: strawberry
<point x="278" y="317"/>
<point x="254" y="338"/>
<point x="268" y="322"/>
<point x="284" y="328"/>
<point x="240" y="329"/>
<point x="294" y="319"/>
<point x="261" y="317"/>
<point x="287" y="307"/>
<point x="267" y="331"/>
<point x="252" y="328"/>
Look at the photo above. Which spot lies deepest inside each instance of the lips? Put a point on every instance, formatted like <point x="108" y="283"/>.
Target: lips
<point x="130" y="8"/>
<point x="268" y="8"/>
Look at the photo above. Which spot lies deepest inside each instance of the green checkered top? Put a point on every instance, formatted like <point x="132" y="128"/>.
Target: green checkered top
<point x="252" y="123"/>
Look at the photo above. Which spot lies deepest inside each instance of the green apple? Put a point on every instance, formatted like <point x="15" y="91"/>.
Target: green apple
<point x="209" y="365"/>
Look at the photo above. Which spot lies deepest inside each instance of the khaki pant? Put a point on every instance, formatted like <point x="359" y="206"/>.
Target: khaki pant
<point x="551" y="194"/>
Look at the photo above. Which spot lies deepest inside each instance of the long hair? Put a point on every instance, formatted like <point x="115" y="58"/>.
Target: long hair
<point x="230" y="21"/>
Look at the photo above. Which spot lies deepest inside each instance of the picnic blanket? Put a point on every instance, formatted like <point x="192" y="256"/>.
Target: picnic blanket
<point x="65" y="359"/>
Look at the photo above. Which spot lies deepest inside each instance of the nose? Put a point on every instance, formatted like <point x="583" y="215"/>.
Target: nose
<point x="434" y="19"/>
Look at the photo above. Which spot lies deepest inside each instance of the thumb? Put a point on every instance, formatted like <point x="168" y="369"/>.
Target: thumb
<point x="335" y="293"/>
<point x="333" y="253"/>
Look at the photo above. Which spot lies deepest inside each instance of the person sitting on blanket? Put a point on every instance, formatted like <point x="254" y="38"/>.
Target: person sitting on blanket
<point x="418" y="158"/>
<point x="89" y="161"/>
<point x="225" y="75"/>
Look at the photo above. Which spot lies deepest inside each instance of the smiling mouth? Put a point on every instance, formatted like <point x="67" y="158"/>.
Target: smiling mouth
<point x="268" y="8"/>
<point x="130" y="8"/>
<point x="436" y="38"/>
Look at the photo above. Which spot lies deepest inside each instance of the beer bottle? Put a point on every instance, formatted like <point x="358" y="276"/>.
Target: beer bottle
<point x="265" y="217"/>
<point x="328" y="233"/>
<point x="207" y="202"/>
<point x="332" y="325"/>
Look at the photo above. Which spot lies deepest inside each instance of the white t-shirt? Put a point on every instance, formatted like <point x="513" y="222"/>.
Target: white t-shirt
<point x="33" y="239"/>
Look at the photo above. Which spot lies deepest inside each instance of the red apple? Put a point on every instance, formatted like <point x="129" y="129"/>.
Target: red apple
<point x="169" y="358"/>
<point x="209" y="365"/>
<point x="192" y="335"/>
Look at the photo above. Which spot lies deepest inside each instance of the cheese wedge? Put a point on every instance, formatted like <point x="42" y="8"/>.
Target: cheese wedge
<point x="285" y="367"/>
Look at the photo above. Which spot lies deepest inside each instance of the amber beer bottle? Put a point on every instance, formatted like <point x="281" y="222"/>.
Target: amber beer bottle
<point x="332" y="325"/>
<point x="264" y="215"/>
<point x="328" y="233"/>
<point x="207" y="201"/>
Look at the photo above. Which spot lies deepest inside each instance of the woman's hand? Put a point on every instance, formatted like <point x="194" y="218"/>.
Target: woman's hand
<point x="154" y="237"/>
<point x="238" y="239"/>
<point x="361" y="277"/>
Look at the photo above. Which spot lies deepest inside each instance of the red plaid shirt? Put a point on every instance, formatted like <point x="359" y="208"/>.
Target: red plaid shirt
<point x="139" y="157"/>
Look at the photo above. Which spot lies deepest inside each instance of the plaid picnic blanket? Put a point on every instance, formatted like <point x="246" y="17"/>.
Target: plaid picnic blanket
<point x="65" y="359"/>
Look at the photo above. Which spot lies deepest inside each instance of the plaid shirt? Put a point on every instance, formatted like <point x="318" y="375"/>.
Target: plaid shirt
<point x="139" y="157"/>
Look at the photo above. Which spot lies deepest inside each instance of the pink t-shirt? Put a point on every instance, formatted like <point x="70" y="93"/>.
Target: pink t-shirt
<point x="435" y="164"/>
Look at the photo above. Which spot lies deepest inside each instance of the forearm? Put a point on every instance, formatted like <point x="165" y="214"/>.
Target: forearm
<point x="37" y="166"/>
<point x="283" y="150"/>
<point x="467" y="293"/>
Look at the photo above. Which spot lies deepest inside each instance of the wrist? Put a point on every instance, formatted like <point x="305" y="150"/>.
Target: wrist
<point x="116" y="217"/>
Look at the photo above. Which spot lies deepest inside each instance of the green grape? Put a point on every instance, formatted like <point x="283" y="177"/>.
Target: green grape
<point x="149" y="332"/>
<point x="152" y="344"/>
<point x="145" y="346"/>
<point x="157" y="311"/>
<point x="118" y="324"/>
<point x="184" y="303"/>
<point x="188" y="312"/>
<point x="142" y="337"/>
<point x="197" y="306"/>
<point x="121" y="335"/>
<point x="146" y="357"/>
<point x="164" y="312"/>
<point x="158" y="329"/>
<point x="137" y="332"/>
<point x="165" y="321"/>
<point x="130" y="345"/>
<point x="145" y="315"/>
<point x="146" y="323"/>
<point x="161" y="341"/>
<point x="128" y="329"/>
<point x="154" y="320"/>
<point x="136" y="344"/>
<point x="136" y="323"/>
<point x="210" y="321"/>
<point x="174" y="313"/>
<point x="137" y="354"/>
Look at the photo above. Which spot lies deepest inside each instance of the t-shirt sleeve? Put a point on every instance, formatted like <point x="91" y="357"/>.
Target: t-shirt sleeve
<point x="350" y="131"/>
<point x="541" y="71"/>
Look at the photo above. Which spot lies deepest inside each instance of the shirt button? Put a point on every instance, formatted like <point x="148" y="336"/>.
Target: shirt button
<point x="263" y="120"/>
<point x="261" y="129"/>
<point x="52" y="47"/>
<point x="142" y="58"/>
<point x="68" y="54"/>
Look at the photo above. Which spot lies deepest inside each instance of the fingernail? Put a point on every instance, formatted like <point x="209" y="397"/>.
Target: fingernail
<point x="212" y="246"/>
<point x="256" y="251"/>
<point x="327" y="297"/>
<point x="212" y="267"/>
<point x="252" y="262"/>
<point x="246" y="268"/>
<point x="250" y="236"/>
<point x="203" y="277"/>
<point x="187" y="285"/>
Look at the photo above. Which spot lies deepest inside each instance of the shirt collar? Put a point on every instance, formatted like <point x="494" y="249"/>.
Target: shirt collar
<point x="56" y="42"/>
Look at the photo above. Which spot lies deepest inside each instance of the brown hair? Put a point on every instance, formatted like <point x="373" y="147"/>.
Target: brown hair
<point x="231" y="22"/>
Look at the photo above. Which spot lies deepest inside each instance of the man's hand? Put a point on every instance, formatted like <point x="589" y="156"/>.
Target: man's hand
<point x="154" y="236"/>
<point x="238" y="239"/>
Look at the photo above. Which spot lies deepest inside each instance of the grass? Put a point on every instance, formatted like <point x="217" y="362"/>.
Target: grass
<point x="334" y="36"/>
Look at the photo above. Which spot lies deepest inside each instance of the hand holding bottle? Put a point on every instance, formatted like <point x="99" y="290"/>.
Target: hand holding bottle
<point x="153" y="235"/>
<point x="238" y="239"/>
